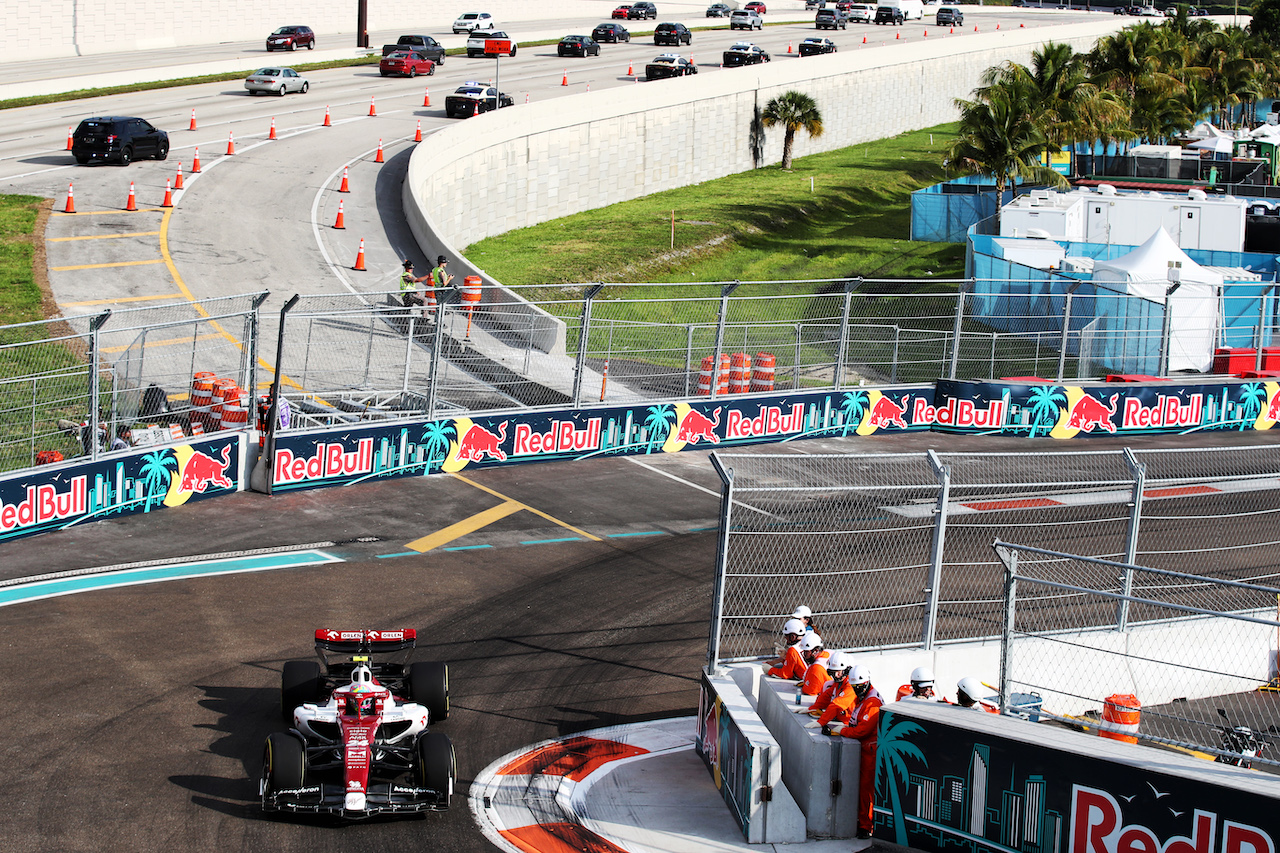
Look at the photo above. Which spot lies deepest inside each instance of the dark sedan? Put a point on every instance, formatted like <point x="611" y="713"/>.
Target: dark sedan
<point x="612" y="33"/>
<point x="745" y="53"/>
<point x="672" y="34"/>
<point x="815" y="46"/>
<point x="718" y="10"/>
<point x="669" y="65"/>
<point x="578" y="46"/>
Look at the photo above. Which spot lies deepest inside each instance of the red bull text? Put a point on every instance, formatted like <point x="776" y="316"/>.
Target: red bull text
<point x="770" y="421"/>
<point x="563" y="437"/>
<point x="960" y="413"/>
<point x="1167" y="412"/>
<point x="1097" y="826"/>
<point x="329" y="460"/>
<point x="44" y="504"/>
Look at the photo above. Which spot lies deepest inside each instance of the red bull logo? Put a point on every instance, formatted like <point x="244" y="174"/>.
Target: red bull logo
<point x="1273" y="411"/>
<point x="563" y="437"/>
<point x="1167" y="412"/>
<point x="770" y="421"/>
<point x="1097" y="826"/>
<point x="44" y="504"/>
<point x="202" y="470"/>
<point x="1088" y="413"/>
<point x="960" y="413"/>
<point x="695" y="427"/>
<point x="329" y="460"/>
<point x="479" y="443"/>
<point x="886" y="413"/>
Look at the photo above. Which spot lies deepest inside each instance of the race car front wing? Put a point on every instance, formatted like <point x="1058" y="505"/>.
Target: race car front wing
<point x="380" y="798"/>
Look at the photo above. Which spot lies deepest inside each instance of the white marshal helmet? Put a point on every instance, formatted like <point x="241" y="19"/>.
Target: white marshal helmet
<point x="802" y="612"/>
<point x="838" y="662"/>
<point x="794" y="626"/>
<point x="860" y="675"/>
<point x="970" y="688"/>
<point x="922" y="676"/>
<point x="810" y="641"/>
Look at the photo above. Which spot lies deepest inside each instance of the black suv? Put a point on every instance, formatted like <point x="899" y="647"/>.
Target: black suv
<point x="676" y="34"/>
<point x="890" y="15"/>
<point x="641" y="11"/>
<point x="119" y="138"/>
<point x="830" y="19"/>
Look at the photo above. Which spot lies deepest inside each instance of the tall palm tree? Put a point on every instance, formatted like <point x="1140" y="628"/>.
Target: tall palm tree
<point x="1145" y="67"/>
<point x="793" y="110"/>
<point x="999" y="136"/>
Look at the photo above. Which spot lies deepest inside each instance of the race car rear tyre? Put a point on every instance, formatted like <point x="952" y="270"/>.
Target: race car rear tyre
<point x="284" y="763"/>
<point x="299" y="684"/>
<point x="429" y="686"/>
<point x="436" y="766"/>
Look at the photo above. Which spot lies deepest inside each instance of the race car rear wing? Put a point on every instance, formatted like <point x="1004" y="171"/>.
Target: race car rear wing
<point x="365" y="642"/>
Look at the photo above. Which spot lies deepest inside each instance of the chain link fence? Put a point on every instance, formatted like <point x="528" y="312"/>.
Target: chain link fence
<point x="1196" y="651"/>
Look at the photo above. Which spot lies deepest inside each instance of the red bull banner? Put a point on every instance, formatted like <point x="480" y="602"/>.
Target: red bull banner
<point x="351" y="454"/>
<point x="1100" y="408"/>
<point x="55" y="497"/>
<point x="727" y="753"/>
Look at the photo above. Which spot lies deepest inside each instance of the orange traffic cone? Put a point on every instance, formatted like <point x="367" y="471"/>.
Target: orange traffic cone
<point x="426" y="96"/>
<point x="344" y="188"/>
<point x="272" y="133"/>
<point x="193" y="120"/>
<point x="132" y="202"/>
<point x="926" y="33"/>
<point x="788" y="47"/>
<point x="373" y="111"/>
<point x="997" y="25"/>
<point x="951" y="31"/>
<point x="378" y="157"/>
<point x="327" y="123"/>
<point x="168" y="195"/>
<point x="359" y="267"/>
<point x="975" y="28"/>
<point x="631" y="70"/>
<point x="864" y="39"/>
<point x="68" y="138"/>
<point x="564" y="81"/>
<point x="604" y="379"/>
<point x="417" y="134"/>
<point x="195" y="162"/>
<point x="177" y="182"/>
<point x="588" y="87"/>
<point x="341" y="222"/>
<point x="897" y="35"/>
<point x="71" y="200"/>
<point x="231" y="143"/>
<point x="1022" y="26"/>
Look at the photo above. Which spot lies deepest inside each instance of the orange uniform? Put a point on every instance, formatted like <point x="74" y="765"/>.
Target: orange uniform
<point x="815" y="678"/>
<point x="904" y="690"/>
<point x="865" y="727"/>
<point x="793" y="665"/>
<point x="835" y="702"/>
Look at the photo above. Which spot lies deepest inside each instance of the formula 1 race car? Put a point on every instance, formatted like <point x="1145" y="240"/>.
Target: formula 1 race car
<point x="359" y="744"/>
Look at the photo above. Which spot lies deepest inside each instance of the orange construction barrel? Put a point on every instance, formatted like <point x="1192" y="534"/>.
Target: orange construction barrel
<point x="202" y="388"/>
<point x="704" y="376"/>
<point x="1121" y="711"/>
<point x="235" y="416"/>
<point x="762" y="376"/>
<point x="739" y="373"/>
<point x="471" y="289"/>
<point x="722" y="376"/>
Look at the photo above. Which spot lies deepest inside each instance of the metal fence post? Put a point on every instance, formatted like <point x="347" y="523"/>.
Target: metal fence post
<point x="795" y="364"/>
<point x="95" y="352"/>
<point x="722" y="561"/>
<point x="1066" y="336"/>
<point x="1139" y="472"/>
<point x="930" y="627"/>
<point x="1164" y="340"/>
<point x="1010" y="559"/>
<point x="254" y="330"/>
<point x="842" y="347"/>
<point x="584" y="335"/>
<point x="443" y="301"/>
<point x="408" y="350"/>
<point x="958" y="329"/>
<point x="273" y="413"/>
<point x="688" y="358"/>
<point x="725" y="292"/>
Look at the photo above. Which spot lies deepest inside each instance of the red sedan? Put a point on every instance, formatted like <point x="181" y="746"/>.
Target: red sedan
<point x="406" y="63"/>
<point x="621" y="12"/>
<point x="756" y="6"/>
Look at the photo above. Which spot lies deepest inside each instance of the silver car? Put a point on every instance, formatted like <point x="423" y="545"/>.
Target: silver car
<point x="276" y="81"/>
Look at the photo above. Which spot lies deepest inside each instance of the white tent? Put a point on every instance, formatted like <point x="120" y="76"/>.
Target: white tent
<point x="1193" y="307"/>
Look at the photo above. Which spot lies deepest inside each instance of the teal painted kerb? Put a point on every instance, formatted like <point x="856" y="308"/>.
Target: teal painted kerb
<point x="155" y="574"/>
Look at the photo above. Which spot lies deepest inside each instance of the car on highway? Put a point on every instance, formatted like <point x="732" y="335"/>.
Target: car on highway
<point x="620" y="12"/>
<point x="861" y="13"/>
<point x="890" y="15"/>
<point x="611" y="32"/>
<point x="814" y="45"/>
<point x="578" y="46"/>
<point x="642" y="10"/>
<point x="472" y="21"/>
<point x="830" y="19"/>
<point x="359" y="742"/>
<point x="477" y="42"/>
<point x="757" y="7"/>
<point x="669" y="65"/>
<point x="745" y="19"/>
<point x="291" y="38"/>
<point x="744" y="53"/>
<point x="276" y="81"/>
<point x="425" y="45"/>
<point x="406" y="63"/>
<point x="473" y="98"/>
<point x="672" y="34"/>
<point x="718" y="10"/>
<point x="948" y="15"/>
<point x="120" y="139"/>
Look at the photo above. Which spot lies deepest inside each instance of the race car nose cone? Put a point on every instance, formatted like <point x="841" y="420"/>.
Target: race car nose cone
<point x="355" y="802"/>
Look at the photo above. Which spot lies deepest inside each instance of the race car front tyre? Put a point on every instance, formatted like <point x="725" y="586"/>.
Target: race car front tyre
<point x="299" y="684"/>
<point x="436" y="767"/>
<point x="429" y="686"/>
<point x="284" y="764"/>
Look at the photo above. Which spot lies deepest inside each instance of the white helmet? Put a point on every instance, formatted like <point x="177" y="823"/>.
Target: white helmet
<point x="922" y="676"/>
<point x="969" y="690"/>
<point x="793" y="626"/>
<point x="802" y="612"/>
<point x="860" y="675"/>
<point x="810" y="641"/>
<point x="838" y="662"/>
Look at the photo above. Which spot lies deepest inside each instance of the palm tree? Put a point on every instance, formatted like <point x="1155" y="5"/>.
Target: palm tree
<point x="156" y="478"/>
<point x="1046" y="405"/>
<point x="891" y="755"/>
<point x="436" y="436"/>
<point x="1251" y="397"/>
<point x="1144" y="66"/>
<point x="852" y="405"/>
<point x="999" y="136"/>
<point x="657" y="424"/>
<point x="793" y="110"/>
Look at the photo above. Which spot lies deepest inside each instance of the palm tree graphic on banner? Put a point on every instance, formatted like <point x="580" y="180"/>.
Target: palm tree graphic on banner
<point x="436" y="437"/>
<point x="1252" y="396"/>
<point x="156" y="477"/>
<point x="891" y="764"/>
<point x="852" y="405"/>
<point x="657" y="425"/>
<point x="1045" y="403"/>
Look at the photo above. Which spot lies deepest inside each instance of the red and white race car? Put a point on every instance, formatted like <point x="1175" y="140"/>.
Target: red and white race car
<point x="359" y="743"/>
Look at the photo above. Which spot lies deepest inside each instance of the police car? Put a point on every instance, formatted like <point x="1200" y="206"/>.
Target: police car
<point x="745" y="53"/>
<point x="814" y="46"/>
<point x="473" y="98"/>
<point x="668" y="65"/>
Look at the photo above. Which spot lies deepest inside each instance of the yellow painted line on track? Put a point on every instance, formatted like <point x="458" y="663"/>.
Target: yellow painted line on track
<point x="127" y="299"/>
<point x="167" y="343"/>
<point x="105" y="266"/>
<point x="103" y="236"/>
<point x="467" y="525"/>
<point x="584" y="534"/>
